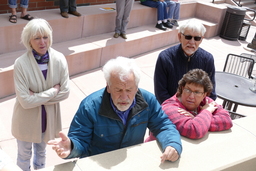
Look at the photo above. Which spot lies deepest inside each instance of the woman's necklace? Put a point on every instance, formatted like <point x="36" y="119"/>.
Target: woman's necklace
<point x="194" y="112"/>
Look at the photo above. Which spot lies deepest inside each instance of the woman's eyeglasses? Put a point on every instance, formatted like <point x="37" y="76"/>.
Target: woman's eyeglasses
<point x="196" y="93"/>
<point x="188" y="37"/>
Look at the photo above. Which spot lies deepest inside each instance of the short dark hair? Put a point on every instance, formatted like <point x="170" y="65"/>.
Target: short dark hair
<point x="198" y="77"/>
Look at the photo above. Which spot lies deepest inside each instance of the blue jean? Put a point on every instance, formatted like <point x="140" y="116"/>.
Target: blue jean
<point x="161" y="8"/>
<point x="25" y="153"/>
<point x="13" y="3"/>
<point x="67" y="5"/>
<point x="123" y="10"/>
<point x="173" y="9"/>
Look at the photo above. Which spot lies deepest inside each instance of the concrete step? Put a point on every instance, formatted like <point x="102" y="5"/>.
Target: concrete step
<point x="92" y="22"/>
<point x="87" y="48"/>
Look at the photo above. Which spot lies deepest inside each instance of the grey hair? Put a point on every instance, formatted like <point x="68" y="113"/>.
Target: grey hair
<point x="34" y="27"/>
<point x="121" y="66"/>
<point x="193" y="25"/>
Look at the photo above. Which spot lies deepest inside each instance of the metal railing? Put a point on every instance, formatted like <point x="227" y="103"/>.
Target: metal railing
<point x="249" y="9"/>
<point x="237" y="3"/>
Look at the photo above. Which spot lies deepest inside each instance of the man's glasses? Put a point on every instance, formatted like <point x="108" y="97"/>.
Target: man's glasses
<point x="196" y="93"/>
<point x="188" y="37"/>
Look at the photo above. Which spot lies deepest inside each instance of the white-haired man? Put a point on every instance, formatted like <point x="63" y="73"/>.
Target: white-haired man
<point x="117" y="116"/>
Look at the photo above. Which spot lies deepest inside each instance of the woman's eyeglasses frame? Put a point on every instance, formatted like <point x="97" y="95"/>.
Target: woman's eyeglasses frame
<point x="196" y="93"/>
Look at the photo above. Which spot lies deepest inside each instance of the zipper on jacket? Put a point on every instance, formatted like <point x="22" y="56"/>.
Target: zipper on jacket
<point x="187" y="63"/>
<point x="125" y="126"/>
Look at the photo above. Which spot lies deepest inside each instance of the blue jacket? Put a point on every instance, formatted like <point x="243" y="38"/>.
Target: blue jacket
<point x="172" y="64"/>
<point x="96" y="128"/>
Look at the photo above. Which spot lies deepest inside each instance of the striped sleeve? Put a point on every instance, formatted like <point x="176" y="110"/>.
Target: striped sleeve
<point x="194" y="128"/>
<point x="220" y="120"/>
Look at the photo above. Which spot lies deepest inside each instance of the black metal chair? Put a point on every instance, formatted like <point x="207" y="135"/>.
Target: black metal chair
<point x="249" y="56"/>
<point x="239" y="65"/>
<point x="253" y="75"/>
<point x="235" y="115"/>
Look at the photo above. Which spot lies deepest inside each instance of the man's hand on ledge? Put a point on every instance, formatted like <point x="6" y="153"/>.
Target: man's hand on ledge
<point x="62" y="147"/>
<point x="169" y="154"/>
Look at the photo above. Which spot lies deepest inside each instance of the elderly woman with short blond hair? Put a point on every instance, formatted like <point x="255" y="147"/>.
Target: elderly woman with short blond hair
<point x="41" y="80"/>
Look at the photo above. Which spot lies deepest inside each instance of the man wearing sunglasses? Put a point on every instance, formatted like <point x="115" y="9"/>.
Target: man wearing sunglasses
<point x="177" y="60"/>
<point x="192" y="111"/>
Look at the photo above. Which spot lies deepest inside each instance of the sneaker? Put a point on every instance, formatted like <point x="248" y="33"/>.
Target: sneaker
<point x="160" y="26"/>
<point x="174" y="23"/>
<point x="168" y="24"/>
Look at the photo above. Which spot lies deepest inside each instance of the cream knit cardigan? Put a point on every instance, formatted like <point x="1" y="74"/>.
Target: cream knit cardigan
<point x="27" y="119"/>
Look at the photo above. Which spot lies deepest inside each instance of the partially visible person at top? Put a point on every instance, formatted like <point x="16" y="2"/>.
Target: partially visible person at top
<point x="68" y="7"/>
<point x="6" y="163"/>
<point x="123" y="10"/>
<point x="24" y="15"/>
<point x="41" y="81"/>
<point x="173" y="11"/>
<point x="118" y="116"/>
<point x="192" y="111"/>
<point x="177" y="60"/>
<point x="162" y="18"/>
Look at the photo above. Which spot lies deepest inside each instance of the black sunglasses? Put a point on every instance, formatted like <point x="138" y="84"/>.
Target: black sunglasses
<point x="188" y="37"/>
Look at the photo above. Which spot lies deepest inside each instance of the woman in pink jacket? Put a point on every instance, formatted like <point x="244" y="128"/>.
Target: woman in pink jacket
<point x="192" y="111"/>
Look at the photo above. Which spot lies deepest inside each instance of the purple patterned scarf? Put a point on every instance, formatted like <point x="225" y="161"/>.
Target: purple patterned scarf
<point x="41" y="59"/>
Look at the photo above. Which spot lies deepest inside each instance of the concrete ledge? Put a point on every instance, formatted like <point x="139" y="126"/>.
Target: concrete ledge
<point x="230" y="150"/>
<point x="6" y="83"/>
<point x="246" y="165"/>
